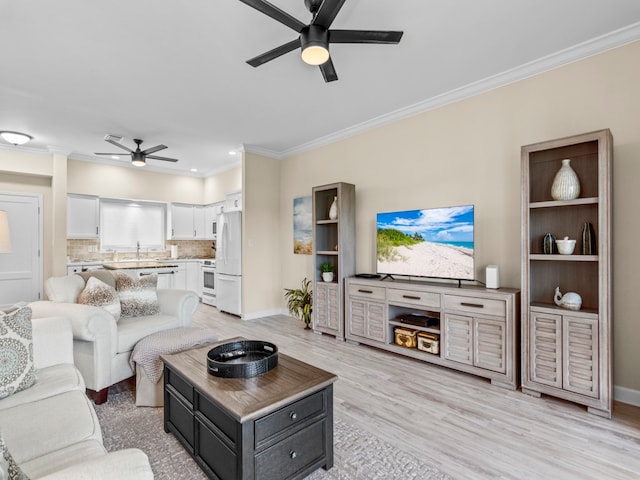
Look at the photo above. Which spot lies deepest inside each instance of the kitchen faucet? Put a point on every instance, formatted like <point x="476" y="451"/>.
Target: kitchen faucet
<point x="138" y="250"/>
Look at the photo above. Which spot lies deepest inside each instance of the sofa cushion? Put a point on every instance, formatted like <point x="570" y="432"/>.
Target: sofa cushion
<point x="99" y="294"/>
<point x="36" y="428"/>
<point x="51" y="381"/>
<point x="138" y="296"/>
<point x="9" y="470"/>
<point x="62" y="458"/>
<point x="16" y="350"/>
<point x="133" y="329"/>
<point x="63" y="289"/>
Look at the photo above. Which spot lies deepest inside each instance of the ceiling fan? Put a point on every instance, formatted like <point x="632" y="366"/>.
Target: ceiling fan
<point x="138" y="157"/>
<point x="315" y="38"/>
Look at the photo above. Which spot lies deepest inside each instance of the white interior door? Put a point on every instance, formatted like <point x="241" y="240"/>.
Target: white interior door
<point x="21" y="270"/>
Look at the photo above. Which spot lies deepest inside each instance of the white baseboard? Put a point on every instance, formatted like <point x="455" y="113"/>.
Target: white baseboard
<point x="264" y="313"/>
<point x="626" y="395"/>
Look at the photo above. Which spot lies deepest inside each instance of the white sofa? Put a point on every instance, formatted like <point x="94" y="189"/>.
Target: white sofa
<point x="51" y="428"/>
<point x="101" y="345"/>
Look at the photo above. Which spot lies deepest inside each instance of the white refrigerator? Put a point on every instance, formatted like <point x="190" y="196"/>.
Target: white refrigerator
<point x="229" y="262"/>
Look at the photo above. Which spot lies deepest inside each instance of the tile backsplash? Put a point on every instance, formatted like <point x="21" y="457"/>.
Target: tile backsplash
<point x="89" y="249"/>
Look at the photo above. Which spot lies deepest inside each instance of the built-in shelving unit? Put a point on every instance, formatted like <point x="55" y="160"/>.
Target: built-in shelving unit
<point x="334" y="243"/>
<point x="566" y="353"/>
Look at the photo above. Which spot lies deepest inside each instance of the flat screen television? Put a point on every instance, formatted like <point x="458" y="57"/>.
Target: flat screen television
<point x="435" y="242"/>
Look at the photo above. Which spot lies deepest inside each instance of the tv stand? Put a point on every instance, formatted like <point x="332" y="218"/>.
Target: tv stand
<point x="476" y="328"/>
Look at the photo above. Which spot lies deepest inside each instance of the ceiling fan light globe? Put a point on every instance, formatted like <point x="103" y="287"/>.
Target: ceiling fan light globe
<point x="138" y="163"/>
<point x="315" y="55"/>
<point x="138" y="159"/>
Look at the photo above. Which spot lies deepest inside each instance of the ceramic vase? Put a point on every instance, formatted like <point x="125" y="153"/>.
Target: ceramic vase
<point x="566" y="185"/>
<point x="549" y="244"/>
<point x="588" y="240"/>
<point x="333" y="210"/>
<point x="327" y="276"/>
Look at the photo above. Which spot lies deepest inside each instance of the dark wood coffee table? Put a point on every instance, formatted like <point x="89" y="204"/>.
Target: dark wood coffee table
<point x="277" y="426"/>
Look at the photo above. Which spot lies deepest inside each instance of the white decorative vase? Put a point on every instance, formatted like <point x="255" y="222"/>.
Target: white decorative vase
<point x="333" y="210"/>
<point x="566" y="185"/>
<point x="327" y="276"/>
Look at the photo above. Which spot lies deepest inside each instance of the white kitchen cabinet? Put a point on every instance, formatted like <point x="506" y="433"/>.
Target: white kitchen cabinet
<point x="180" y="277"/>
<point x="233" y="202"/>
<point x="187" y="222"/>
<point x="211" y="211"/>
<point x="82" y="216"/>
<point x="193" y="277"/>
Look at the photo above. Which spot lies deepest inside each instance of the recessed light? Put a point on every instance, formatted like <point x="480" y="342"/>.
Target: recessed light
<point x="115" y="157"/>
<point x="232" y="152"/>
<point x="194" y="169"/>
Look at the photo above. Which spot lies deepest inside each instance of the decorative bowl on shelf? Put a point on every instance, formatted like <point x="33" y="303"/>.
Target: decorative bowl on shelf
<point x="566" y="246"/>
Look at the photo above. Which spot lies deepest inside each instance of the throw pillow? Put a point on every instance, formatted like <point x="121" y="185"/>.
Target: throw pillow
<point x="8" y="467"/>
<point x="138" y="296"/>
<point x="16" y="350"/>
<point x="100" y="294"/>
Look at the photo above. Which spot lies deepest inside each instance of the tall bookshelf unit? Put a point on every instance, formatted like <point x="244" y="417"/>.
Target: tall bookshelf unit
<point x="567" y="353"/>
<point x="333" y="242"/>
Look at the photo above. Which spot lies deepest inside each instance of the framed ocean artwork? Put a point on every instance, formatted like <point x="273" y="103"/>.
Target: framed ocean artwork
<point x="302" y="218"/>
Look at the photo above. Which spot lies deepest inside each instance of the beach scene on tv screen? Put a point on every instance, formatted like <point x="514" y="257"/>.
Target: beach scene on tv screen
<point x="436" y="242"/>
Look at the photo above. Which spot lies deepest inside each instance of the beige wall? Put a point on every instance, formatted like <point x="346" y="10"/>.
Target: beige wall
<point x="217" y="186"/>
<point x="469" y="152"/>
<point x="135" y="183"/>
<point x="262" y="294"/>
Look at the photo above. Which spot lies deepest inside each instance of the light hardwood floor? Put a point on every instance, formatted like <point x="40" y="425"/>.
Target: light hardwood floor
<point x="456" y="422"/>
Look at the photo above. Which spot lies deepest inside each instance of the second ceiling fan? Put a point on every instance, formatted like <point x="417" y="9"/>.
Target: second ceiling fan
<point x="315" y="38"/>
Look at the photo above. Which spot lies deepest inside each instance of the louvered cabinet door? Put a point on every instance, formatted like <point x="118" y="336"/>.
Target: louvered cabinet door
<point x="321" y="305"/>
<point x="357" y="313"/>
<point x="333" y="315"/>
<point x="580" y="355"/>
<point x="545" y="348"/>
<point x="376" y="321"/>
<point x="489" y="344"/>
<point x="458" y="338"/>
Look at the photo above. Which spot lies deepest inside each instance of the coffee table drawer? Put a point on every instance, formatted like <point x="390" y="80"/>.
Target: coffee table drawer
<point x="181" y="386"/>
<point x="217" y="417"/>
<point x="292" y="454"/>
<point x="289" y="416"/>
<point x="218" y="457"/>
<point x="180" y="416"/>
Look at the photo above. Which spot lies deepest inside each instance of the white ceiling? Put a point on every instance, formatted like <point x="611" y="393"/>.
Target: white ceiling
<point x="174" y="72"/>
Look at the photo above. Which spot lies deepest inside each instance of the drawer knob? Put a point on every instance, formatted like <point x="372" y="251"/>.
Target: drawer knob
<point x="293" y="415"/>
<point x="293" y="454"/>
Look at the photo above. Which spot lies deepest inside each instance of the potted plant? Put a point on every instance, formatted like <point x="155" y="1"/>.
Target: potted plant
<point x="327" y="272"/>
<point x="300" y="302"/>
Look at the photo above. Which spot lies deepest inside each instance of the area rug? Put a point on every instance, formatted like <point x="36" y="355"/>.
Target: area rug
<point x="358" y="455"/>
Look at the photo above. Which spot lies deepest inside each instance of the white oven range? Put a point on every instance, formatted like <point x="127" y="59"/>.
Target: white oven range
<point x="208" y="278"/>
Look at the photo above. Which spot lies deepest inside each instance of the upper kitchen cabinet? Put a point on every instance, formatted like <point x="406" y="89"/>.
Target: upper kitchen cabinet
<point x="187" y="222"/>
<point x="83" y="216"/>
<point x="233" y="202"/>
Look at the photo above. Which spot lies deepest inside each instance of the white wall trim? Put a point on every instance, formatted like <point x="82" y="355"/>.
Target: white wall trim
<point x="575" y="53"/>
<point x="626" y="395"/>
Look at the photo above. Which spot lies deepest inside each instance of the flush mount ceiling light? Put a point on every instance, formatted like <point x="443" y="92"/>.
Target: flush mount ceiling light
<point x="16" y="138"/>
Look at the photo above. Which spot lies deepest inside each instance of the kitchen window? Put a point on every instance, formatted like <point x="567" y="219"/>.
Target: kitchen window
<point x="124" y="223"/>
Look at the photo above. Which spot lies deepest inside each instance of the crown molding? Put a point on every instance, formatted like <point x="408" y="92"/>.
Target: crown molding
<point x="558" y="59"/>
<point x="265" y="152"/>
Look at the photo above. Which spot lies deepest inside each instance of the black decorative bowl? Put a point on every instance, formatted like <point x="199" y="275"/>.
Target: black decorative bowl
<point x="242" y="359"/>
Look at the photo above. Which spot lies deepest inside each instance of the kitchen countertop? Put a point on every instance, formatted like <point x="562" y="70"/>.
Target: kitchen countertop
<point x="75" y="261"/>
<point x="136" y="265"/>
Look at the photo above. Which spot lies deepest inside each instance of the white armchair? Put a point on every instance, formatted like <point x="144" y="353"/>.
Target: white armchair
<point x="101" y="345"/>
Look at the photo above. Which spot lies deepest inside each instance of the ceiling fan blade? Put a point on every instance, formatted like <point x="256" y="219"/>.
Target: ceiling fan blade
<point x="113" y="142"/>
<point x="364" y="36"/>
<point x="166" y="159"/>
<point x="275" y="13"/>
<point x="327" y="12"/>
<point x="275" y="53"/>
<point x="154" y="149"/>
<point x="328" y="71"/>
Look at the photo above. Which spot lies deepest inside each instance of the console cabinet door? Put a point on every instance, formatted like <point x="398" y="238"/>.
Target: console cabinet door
<point x="367" y="319"/>
<point x="545" y="348"/>
<point x="580" y="355"/>
<point x="489" y="344"/>
<point x="458" y="338"/>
